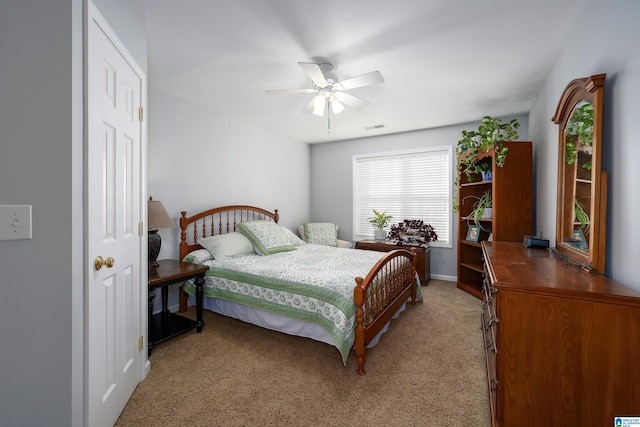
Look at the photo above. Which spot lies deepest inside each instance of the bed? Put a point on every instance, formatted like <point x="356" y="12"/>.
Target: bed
<point x="342" y="296"/>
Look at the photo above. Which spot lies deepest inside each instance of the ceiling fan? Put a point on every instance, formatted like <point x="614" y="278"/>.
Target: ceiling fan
<point x="330" y="90"/>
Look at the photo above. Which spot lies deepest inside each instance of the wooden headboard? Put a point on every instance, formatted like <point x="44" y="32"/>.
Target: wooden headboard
<point x="215" y="221"/>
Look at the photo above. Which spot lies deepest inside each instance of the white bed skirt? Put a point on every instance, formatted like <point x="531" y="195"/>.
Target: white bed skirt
<point x="277" y="322"/>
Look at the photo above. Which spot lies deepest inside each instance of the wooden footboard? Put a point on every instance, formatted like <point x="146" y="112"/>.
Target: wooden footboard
<point x="379" y="296"/>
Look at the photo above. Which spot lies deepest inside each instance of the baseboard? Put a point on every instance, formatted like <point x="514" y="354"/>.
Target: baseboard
<point x="445" y="278"/>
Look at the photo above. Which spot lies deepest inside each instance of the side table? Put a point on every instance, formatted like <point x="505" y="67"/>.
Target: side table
<point x="165" y="325"/>
<point x="424" y="255"/>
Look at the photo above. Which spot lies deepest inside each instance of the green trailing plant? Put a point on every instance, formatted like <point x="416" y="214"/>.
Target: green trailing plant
<point x="380" y="220"/>
<point x="481" y="204"/>
<point x="456" y="185"/>
<point x="489" y="136"/>
<point x="579" y="133"/>
<point x="581" y="216"/>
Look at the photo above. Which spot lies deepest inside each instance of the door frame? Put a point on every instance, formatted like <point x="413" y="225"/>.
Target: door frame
<point x="91" y="12"/>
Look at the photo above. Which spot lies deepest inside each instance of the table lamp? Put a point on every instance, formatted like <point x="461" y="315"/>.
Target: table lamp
<point x="158" y="218"/>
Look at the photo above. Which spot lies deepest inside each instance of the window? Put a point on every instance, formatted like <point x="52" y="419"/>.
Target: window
<point x="407" y="185"/>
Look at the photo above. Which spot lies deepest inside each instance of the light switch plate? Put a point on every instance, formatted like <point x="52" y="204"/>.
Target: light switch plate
<point x="15" y="222"/>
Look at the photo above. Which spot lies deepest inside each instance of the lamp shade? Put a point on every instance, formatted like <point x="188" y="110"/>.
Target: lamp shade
<point x="158" y="216"/>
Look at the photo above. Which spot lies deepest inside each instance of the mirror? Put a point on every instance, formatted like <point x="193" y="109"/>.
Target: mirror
<point x="582" y="185"/>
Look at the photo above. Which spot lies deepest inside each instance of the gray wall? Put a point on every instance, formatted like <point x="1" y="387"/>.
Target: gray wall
<point x="41" y="164"/>
<point x="606" y="41"/>
<point x="199" y="159"/>
<point x="332" y="179"/>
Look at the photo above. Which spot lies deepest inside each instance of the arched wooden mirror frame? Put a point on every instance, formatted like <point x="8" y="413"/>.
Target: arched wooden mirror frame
<point x="575" y="183"/>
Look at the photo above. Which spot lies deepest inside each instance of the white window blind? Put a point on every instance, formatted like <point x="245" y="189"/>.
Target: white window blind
<point x="407" y="185"/>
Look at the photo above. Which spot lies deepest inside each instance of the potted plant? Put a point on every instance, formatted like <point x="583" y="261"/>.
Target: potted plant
<point x="581" y="216"/>
<point x="379" y="222"/>
<point x="485" y="170"/>
<point x="482" y="208"/>
<point x="412" y="232"/>
<point x="489" y="136"/>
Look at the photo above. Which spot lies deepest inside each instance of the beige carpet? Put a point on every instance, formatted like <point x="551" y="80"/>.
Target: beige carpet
<point x="427" y="370"/>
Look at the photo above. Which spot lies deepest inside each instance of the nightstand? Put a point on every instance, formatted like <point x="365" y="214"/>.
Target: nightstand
<point x="423" y="253"/>
<point x="166" y="325"/>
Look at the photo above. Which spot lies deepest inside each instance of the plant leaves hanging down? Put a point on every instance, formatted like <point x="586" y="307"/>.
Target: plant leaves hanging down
<point x="490" y="135"/>
<point x="579" y="134"/>
<point x="581" y="216"/>
<point x="481" y="204"/>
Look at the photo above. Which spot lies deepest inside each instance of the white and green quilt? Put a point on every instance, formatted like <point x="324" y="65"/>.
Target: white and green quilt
<point x="313" y="283"/>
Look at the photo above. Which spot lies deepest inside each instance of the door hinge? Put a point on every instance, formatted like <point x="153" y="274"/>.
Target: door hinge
<point x="141" y="229"/>
<point x="140" y="343"/>
<point x="141" y="114"/>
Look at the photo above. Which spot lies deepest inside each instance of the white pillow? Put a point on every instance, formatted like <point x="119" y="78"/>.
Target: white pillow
<point x="344" y="244"/>
<point x="229" y="244"/>
<point x="321" y="233"/>
<point x="267" y="236"/>
<point x="295" y="240"/>
<point x="198" y="256"/>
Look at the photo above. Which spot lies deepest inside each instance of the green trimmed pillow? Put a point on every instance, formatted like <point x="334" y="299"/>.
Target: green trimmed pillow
<point x="321" y="233"/>
<point x="229" y="244"/>
<point x="267" y="236"/>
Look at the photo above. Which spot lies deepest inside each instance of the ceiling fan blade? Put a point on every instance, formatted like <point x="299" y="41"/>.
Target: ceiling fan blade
<point x="280" y="91"/>
<point x="350" y="100"/>
<point x="368" y="79"/>
<point x="313" y="71"/>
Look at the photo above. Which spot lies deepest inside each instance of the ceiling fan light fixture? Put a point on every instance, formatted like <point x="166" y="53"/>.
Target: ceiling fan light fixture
<point x="336" y="106"/>
<point x="330" y="91"/>
<point x="319" y="105"/>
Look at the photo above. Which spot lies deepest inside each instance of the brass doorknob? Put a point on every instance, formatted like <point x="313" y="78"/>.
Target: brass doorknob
<point x="99" y="262"/>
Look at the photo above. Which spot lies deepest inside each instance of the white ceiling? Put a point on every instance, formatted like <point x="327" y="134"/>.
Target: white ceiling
<point x="443" y="61"/>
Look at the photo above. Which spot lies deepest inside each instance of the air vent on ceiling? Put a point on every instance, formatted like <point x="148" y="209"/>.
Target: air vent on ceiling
<point x="374" y="127"/>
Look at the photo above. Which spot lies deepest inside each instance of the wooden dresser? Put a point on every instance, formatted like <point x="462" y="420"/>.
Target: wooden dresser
<point x="562" y="344"/>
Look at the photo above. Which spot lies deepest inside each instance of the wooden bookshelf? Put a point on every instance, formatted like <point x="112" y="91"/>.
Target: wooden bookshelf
<point x="512" y="194"/>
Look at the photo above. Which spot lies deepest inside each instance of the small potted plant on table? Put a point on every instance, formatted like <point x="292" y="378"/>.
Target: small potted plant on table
<point x="413" y="232"/>
<point x="379" y="222"/>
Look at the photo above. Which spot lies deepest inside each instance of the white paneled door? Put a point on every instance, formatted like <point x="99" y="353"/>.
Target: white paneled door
<point x="114" y="210"/>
